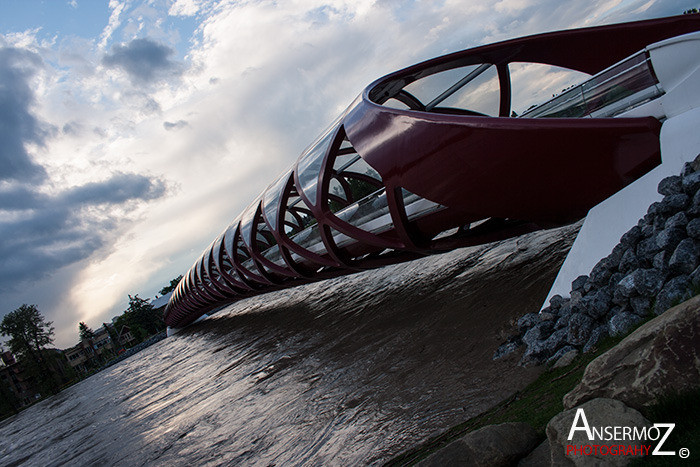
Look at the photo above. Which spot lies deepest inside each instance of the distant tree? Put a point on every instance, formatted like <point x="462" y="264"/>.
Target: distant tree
<point x="87" y="335"/>
<point x="61" y="371"/>
<point x="85" y="332"/>
<point x="29" y="336"/>
<point x="28" y="332"/>
<point x="141" y="318"/>
<point x="691" y="11"/>
<point x="171" y="287"/>
<point x="114" y="337"/>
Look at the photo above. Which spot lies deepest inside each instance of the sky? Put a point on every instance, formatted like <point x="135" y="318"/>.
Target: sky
<point x="133" y="132"/>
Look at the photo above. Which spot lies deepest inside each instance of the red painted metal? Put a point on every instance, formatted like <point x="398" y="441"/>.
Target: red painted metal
<point x="520" y="173"/>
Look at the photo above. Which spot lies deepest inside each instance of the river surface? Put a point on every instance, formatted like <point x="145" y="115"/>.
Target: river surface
<point x="349" y="371"/>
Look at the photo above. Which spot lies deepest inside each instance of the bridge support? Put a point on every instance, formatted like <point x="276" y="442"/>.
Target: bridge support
<point x="609" y="220"/>
<point x="172" y="331"/>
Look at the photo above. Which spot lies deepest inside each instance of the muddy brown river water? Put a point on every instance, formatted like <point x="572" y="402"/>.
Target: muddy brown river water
<point x="350" y="371"/>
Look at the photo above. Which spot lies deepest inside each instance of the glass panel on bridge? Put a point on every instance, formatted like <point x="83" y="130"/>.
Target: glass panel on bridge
<point x="272" y="197"/>
<point x="611" y="92"/>
<point x="467" y="90"/>
<point x="247" y="222"/>
<point x="416" y="206"/>
<point x="310" y="163"/>
<point x="301" y="227"/>
<point x="534" y="83"/>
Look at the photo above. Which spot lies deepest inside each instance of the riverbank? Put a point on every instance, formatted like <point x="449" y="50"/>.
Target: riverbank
<point x="119" y="358"/>
<point x="538" y="403"/>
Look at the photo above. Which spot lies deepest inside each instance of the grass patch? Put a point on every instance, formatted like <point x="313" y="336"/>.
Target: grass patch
<point x="684" y="411"/>
<point x="535" y="405"/>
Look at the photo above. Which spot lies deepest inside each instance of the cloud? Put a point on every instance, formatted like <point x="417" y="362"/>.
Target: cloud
<point x="117" y="189"/>
<point x="56" y="210"/>
<point x="175" y="125"/>
<point x="144" y="60"/>
<point x="17" y="125"/>
<point x="262" y="79"/>
<point x="185" y="8"/>
<point x="72" y="128"/>
<point x="42" y="233"/>
<point x="114" y="22"/>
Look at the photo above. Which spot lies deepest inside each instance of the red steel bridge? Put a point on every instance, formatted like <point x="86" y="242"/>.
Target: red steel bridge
<point x="433" y="157"/>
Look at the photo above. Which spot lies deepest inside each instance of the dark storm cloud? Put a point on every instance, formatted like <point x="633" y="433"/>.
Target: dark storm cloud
<point x="118" y="189"/>
<point x="144" y="60"/>
<point x="18" y="198"/>
<point x="42" y="233"/>
<point x="43" y="230"/>
<point x="17" y="125"/>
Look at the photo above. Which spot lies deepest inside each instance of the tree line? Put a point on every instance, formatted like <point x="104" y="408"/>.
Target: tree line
<point x="31" y="366"/>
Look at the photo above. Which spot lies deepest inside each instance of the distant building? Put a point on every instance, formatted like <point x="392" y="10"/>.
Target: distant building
<point x="126" y="336"/>
<point x="161" y="302"/>
<point x="78" y="356"/>
<point x="103" y="341"/>
<point x="92" y="352"/>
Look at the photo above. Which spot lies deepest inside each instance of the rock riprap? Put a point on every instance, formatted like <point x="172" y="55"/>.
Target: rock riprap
<point x="655" y="266"/>
<point x="661" y="357"/>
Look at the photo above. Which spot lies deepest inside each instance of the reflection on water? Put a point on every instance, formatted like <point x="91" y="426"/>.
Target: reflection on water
<point x="347" y="371"/>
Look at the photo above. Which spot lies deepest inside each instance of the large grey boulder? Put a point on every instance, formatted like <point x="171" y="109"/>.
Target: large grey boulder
<point x="601" y="272"/>
<point x="541" y="456"/>
<point x="598" y="413"/>
<point x="564" y="357"/>
<point x="660" y="357"/>
<point x="493" y="445"/>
